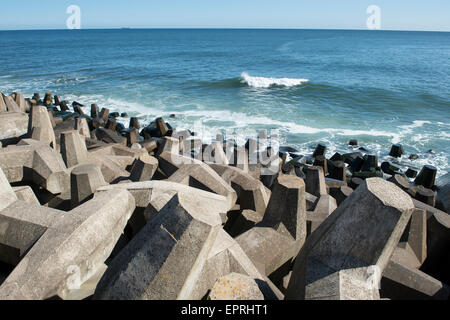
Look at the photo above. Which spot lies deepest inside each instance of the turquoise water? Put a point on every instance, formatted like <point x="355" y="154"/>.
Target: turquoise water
<point x="312" y="85"/>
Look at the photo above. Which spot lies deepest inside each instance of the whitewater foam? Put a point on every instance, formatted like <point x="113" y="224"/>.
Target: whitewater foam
<point x="262" y="82"/>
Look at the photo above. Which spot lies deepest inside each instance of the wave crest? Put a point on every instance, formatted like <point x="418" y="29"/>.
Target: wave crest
<point x="262" y="82"/>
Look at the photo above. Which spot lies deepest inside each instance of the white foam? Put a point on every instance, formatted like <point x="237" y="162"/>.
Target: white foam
<point x="262" y="82"/>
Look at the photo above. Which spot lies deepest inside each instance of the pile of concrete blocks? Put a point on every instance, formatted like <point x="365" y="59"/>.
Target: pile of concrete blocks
<point x="91" y="209"/>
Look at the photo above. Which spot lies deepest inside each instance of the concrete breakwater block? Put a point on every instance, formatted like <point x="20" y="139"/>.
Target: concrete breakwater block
<point x="362" y="232"/>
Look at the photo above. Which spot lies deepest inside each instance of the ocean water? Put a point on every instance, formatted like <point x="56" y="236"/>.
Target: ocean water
<point x="310" y="86"/>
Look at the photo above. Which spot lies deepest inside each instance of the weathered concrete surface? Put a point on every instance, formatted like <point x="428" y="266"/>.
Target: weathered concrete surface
<point x="26" y="194"/>
<point x="444" y="192"/>
<point x="7" y="195"/>
<point x="35" y="161"/>
<point x="72" y="248"/>
<point x="73" y="148"/>
<point x="235" y="286"/>
<point x="82" y="127"/>
<point x="362" y="232"/>
<point x="324" y="206"/>
<point x="11" y="105"/>
<point x="40" y="127"/>
<point x="165" y="259"/>
<point x="21" y="103"/>
<point x="13" y="124"/>
<point x="245" y="220"/>
<point x="401" y="282"/>
<point x="144" y="168"/>
<point x="2" y="103"/>
<point x="195" y="173"/>
<point x="154" y="195"/>
<point x="214" y="153"/>
<point x="84" y="181"/>
<point x="226" y="256"/>
<point x="251" y="193"/>
<point x="282" y="232"/>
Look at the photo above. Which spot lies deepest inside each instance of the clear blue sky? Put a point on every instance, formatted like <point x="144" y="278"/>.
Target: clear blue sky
<point x="329" y="14"/>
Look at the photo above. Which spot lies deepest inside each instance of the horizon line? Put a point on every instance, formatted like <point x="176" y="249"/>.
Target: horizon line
<point x="222" y="28"/>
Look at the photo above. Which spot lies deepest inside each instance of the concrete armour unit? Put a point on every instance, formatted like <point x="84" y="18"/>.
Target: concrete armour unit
<point x="84" y="181"/>
<point x="11" y="105"/>
<point x="82" y="127"/>
<point x="196" y="174"/>
<point x="235" y="286"/>
<point x="35" y="161"/>
<point x="444" y="192"/>
<point x="169" y="144"/>
<point x="282" y="232"/>
<point x="2" y="103"/>
<point x="165" y="259"/>
<point x="315" y="181"/>
<point x="73" y="148"/>
<point x="13" y="124"/>
<point x="72" y="247"/>
<point x="25" y="193"/>
<point x="40" y="126"/>
<point x="252" y="194"/>
<point x="353" y="245"/>
<point x="226" y="256"/>
<point x="7" y="194"/>
<point x="144" y="168"/>
<point x="214" y="153"/>
<point x="325" y="206"/>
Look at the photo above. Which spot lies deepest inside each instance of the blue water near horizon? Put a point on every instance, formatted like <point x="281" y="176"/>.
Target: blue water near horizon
<point x="327" y="86"/>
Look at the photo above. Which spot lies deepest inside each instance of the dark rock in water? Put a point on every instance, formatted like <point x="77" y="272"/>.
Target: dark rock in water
<point x="172" y="116"/>
<point x="357" y="164"/>
<point x="134" y="123"/>
<point x="120" y="127"/>
<point x="287" y="149"/>
<point x="124" y="115"/>
<point x="426" y="176"/>
<point x="349" y="157"/>
<point x="114" y="115"/>
<point x="425" y="195"/>
<point x="355" y="182"/>
<point x="299" y="161"/>
<point x="98" y="122"/>
<point x="77" y="109"/>
<point x="48" y="99"/>
<point x="413" y="156"/>
<point x="363" y="149"/>
<point x="389" y="168"/>
<point x="430" y="151"/>
<point x="94" y="110"/>
<point x="36" y="97"/>
<point x="370" y="163"/>
<point x="396" y="151"/>
<point x="150" y="145"/>
<point x="63" y="105"/>
<point x="75" y="103"/>
<point x="337" y="157"/>
<point x="321" y="161"/>
<point x="320" y="150"/>
<point x="336" y="170"/>
<point x="157" y="129"/>
<point x="368" y="174"/>
<point x="57" y="100"/>
<point x="411" y="173"/>
<point x="353" y="142"/>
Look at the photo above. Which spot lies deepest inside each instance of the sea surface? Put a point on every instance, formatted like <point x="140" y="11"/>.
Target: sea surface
<point x="309" y="86"/>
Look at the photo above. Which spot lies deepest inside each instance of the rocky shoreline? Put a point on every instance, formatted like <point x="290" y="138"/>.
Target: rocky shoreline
<point x="90" y="209"/>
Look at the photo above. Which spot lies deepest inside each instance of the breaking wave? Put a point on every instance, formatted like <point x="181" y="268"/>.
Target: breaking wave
<point x="262" y="82"/>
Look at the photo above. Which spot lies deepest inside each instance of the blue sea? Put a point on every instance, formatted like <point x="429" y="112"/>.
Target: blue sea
<point x="310" y="86"/>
